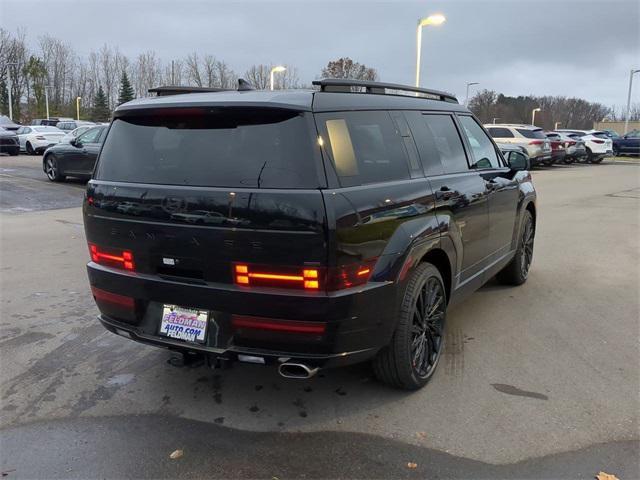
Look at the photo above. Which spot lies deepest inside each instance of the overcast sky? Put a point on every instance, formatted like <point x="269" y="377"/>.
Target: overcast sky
<point x="573" y="48"/>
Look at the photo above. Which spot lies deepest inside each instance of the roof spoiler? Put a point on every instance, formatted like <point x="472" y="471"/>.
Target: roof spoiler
<point x="347" y="85"/>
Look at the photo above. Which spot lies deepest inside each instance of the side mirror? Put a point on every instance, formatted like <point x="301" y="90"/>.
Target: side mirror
<point x="518" y="161"/>
<point x="75" y="142"/>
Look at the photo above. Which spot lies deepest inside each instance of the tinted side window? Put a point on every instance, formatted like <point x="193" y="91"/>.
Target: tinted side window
<point x="500" y="132"/>
<point x="440" y="144"/>
<point x="484" y="152"/>
<point x="365" y="147"/>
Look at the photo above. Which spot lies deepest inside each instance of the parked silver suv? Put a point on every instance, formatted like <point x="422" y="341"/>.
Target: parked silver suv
<point x="532" y="138"/>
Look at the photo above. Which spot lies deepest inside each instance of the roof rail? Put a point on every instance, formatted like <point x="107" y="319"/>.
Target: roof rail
<point x="178" y="89"/>
<point x="346" y="85"/>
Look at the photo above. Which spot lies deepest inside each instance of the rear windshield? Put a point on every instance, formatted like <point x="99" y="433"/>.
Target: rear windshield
<point x="531" y="133"/>
<point x="259" y="148"/>
<point x="600" y="135"/>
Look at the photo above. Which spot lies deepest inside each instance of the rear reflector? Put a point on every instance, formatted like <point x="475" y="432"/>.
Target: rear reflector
<point x="274" y="325"/>
<point x="111" y="257"/>
<point x="113" y="298"/>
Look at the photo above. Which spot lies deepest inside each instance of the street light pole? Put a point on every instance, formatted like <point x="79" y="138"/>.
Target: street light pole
<point x="9" y="88"/>
<point x="46" y="99"/>
<point x="466" y="98"/>
<point x="533" y="115"/>
<point x="430" y="20"/>
<point x="494" y="119"/>
<point x="555" y="127"/>
<point x="279" y="68"/>
<point x="626" y="118"/>
<point x="78" y="107"/>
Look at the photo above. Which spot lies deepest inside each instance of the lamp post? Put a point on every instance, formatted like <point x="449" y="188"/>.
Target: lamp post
<point x="533" y="115"/>
<point x="555" y="126"/>
<point x="278" y="69"/>
<point x="12" y="64"/>
<point x="466" y="98"/>
<point x="626" y="118"/>
<point x="46" y="99"/>
<point x="78" y="107"/>
<point x="434" y="20"/>
<point x="494" y="119"/>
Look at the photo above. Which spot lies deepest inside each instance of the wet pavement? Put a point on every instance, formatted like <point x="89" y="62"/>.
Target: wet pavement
<point x="536" y="382"/>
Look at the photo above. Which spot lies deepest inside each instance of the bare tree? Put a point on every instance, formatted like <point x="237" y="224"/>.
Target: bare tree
<point x="258" y="76"/>
<point x="147" y="73"/>
<point x="346" y="68"/>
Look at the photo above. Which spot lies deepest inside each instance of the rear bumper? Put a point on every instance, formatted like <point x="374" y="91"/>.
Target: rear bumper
<point x="270" y="357"/>
<point x="358" y="321"/>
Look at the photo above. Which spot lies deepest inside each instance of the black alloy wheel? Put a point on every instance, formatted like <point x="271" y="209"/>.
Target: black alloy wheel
<point x="412" y="356"/>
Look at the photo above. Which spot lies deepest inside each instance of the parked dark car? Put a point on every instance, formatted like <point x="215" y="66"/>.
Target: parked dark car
<point x="344" y="225"/>
<point x="9" y="142"/>
<point x="74" y="159"/>
<point x="559" y="149"/>
<point x="628" y="144"/>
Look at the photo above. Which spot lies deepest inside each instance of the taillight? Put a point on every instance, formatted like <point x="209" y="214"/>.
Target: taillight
<point x="303" y="278"/>
<point x="536" y="142"/>
<point x="40" y="137"/>
<point x="347" y="276"/>
<point x="112" y="257"/>
<point x="598" y="141"/>
<point x="569" y="144"/>
<point x="306" y="278"/>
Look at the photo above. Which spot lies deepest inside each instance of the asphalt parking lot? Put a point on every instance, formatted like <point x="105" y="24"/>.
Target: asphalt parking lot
<point x="539" y="381"/>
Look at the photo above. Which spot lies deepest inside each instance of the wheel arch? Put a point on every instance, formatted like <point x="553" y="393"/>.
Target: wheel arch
<point x="439" y="259"/>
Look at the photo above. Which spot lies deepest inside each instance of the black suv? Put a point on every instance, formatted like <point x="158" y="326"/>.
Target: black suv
<point x="305" y="229"/>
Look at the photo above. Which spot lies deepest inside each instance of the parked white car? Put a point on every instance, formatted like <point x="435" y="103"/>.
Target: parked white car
<point x="598" y="143"/>
<point x="36" y="139"/>
<point x="75" y="133"/>
<point x="532" y="138"/>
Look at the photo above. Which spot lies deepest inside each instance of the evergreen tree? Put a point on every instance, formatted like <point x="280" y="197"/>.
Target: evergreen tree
<point x="100" y="108"/>
<point x="126" y="90"/>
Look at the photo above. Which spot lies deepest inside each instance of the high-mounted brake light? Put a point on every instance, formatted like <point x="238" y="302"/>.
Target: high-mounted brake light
<point x="112" y="258"/>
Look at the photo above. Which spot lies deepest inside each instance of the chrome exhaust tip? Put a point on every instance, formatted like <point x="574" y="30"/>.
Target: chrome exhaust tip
<point x="296" y="370"/>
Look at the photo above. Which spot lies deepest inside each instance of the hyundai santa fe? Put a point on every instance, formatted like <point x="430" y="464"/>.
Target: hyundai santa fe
<point x="303" y="229"/>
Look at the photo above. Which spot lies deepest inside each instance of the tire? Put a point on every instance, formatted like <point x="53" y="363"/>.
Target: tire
<point x="616" y="152"/>
<point x="411" y="358"/>
<point x="51" y="169"/>
<point x="517" y="271"/>
<point x="30" y="150"/>
<point x="590" y="156"/>
<point x="569" y="160"/>
<point x="15" y="152"/>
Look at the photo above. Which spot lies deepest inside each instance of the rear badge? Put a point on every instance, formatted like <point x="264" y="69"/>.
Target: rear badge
<point x="169" y="261"/>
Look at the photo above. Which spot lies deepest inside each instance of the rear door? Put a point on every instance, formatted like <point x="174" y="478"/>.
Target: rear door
<point x="193" y="191"/>
<point x="78" y="157"/>
<point x="460" y="192"/>
<point x="380" y="185"/>
<point x="501" y="185"/>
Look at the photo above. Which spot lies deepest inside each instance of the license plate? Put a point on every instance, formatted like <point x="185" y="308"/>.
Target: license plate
<point x="184" y="323"/>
